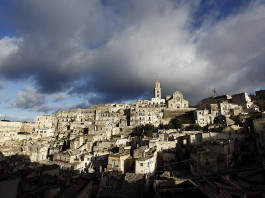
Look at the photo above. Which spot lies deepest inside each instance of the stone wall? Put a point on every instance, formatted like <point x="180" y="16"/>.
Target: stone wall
<point x="169" y="114"/>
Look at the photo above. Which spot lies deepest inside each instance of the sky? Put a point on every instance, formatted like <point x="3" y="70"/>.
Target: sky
<point x="58" y="56"/>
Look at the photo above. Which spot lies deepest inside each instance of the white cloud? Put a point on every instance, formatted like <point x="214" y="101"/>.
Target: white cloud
<point x="234" y="50"/>
<point x="29" y="98"/>
<point x="8" y="46"/>
<point x="59" y="96"/>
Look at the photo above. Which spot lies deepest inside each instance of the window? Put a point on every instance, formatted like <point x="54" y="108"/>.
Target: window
<point x="141" y="164"/>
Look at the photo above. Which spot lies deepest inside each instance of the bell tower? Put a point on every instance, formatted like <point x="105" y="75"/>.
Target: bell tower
<point x="157" y="89"/>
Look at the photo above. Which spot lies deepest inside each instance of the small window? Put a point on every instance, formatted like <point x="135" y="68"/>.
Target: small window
<point x="141" y="164"/>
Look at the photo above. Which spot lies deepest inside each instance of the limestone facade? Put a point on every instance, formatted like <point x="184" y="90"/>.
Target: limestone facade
<point x="176" y="101"/>
<point x="243" y="99"/>
<point x="146" y="164"/>
<point x="207" y="116"/>
<point x="111" y="119"/>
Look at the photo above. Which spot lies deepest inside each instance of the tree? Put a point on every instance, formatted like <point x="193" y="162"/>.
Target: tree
<point x="148" y="130"/>
<point x="206" y="128"/>
<point x="161" y="126"/>
<point x="170" y="125"/>
<point x="195" y="127"/>
<point x="137" y="131"/>
<point x="177" y="123"/>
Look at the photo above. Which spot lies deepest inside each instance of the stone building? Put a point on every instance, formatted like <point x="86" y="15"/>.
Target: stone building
<point x="142" y="115"/>
<point x="206" y="102"/>
<point x="202" y="117"/>
<point x="259" y="99"/>
<point x="203" y="162"/>
<point x="146" y="164"/>
<point x="110" y="119"/>
<point x="224" y="149"/>
<point x="7" y="126"/>
<point x="73" y="160"/>
<point x="176" y="101"/>
<point x="15" y="131"/>
<point x="162" y="144"/>
<point x="157" y="94"/>
<point x="44" y="122"/>
<point x="207" y="116"/>
<point x="119" y="162"/>
<point x="243" y="99"/>
<point x="37" y="152"/>
<point x="103" y="148"/>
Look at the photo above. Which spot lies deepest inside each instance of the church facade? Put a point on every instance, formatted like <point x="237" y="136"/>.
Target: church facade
<point x="174" y="101"/>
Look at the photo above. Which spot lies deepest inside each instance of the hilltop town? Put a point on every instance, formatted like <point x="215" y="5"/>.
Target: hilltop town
<point x="151" y="148"/>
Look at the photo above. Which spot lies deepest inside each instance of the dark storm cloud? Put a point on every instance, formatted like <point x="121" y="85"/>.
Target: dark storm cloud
<point x="55" y="39"/>
<point x="115" y="49"/>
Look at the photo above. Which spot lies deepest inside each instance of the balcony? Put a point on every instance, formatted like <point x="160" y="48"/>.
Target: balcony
<point x="59" y="160"/>
<point x="113" y="168"/>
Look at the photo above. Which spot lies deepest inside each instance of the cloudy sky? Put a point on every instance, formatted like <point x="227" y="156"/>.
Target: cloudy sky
<point x="56" y="55"/>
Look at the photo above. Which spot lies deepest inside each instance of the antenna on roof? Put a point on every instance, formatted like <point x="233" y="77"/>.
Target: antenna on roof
<point x="5" y="119"/>
<point x="214" y="92"/>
